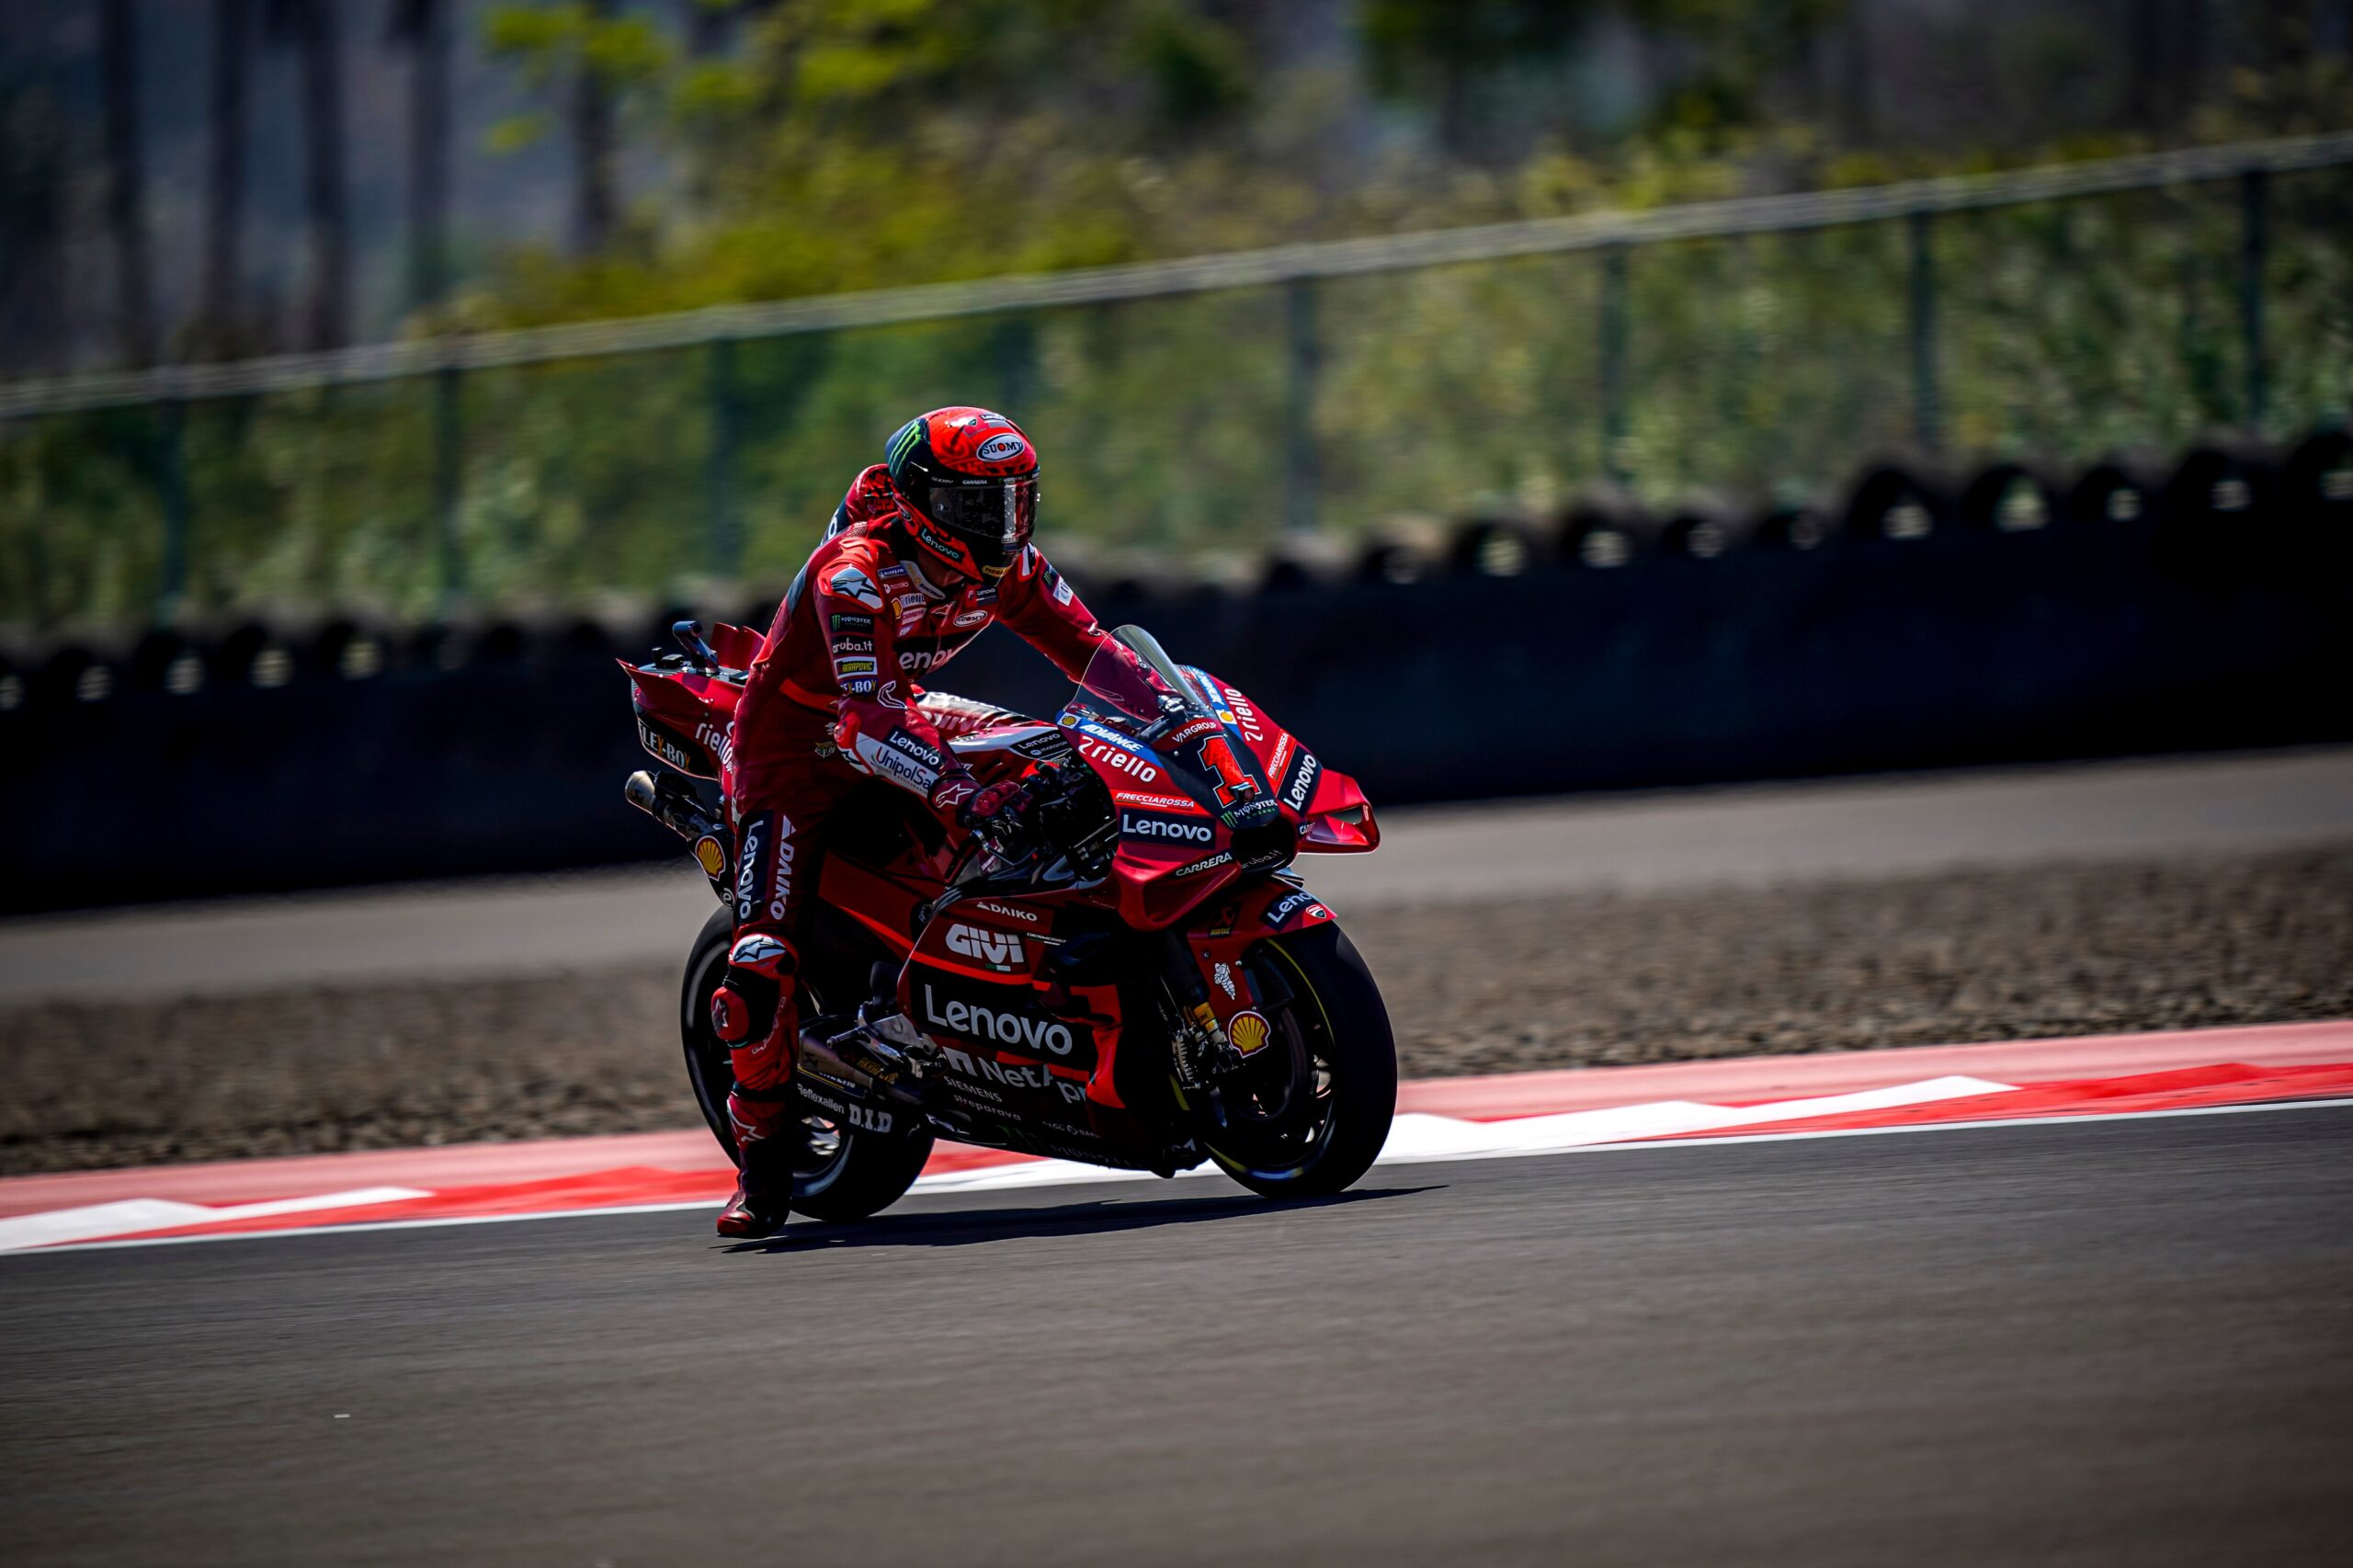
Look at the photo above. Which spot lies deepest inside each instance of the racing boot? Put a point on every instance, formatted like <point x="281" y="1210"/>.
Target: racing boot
<point x="754" y="1012"/>
<point x="763" y="1198"/>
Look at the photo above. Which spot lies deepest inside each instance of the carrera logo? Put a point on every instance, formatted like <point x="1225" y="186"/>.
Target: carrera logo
<point x="1006" y="1028"/>
<point x="1167" y="830"/>
<point x="855" y="585"/>
<point x="1120" y="760"/>
<point x="1214" y="861"/>
<point x="999" y="950"/>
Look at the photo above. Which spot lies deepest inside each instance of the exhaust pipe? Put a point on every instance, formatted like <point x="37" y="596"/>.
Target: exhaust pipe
<point x="675" y="807"/>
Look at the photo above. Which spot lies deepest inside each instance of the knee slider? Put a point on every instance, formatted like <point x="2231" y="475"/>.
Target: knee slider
<point x="759" y="970"/>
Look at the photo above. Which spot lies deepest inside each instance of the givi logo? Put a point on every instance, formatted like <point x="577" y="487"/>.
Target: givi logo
<point x="999" y="950"/>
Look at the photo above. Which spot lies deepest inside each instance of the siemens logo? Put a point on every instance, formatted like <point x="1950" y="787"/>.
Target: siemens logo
<point x="1169" y="830"/>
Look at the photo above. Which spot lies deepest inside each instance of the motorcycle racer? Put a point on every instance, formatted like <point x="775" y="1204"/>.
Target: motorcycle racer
<point x="927" y="549"/>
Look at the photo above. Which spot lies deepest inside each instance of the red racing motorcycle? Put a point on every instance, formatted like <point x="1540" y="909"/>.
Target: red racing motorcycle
<point x="1137" y="980"/>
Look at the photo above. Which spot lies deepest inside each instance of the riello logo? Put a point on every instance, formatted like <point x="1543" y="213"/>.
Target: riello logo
<point x="1004" y="1027"/>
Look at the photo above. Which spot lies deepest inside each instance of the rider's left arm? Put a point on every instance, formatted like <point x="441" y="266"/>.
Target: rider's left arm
<point x="1037" y="602"/>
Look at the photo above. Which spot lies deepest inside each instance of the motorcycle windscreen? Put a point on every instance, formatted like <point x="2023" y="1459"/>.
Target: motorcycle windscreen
<point x="1132" y="695"/>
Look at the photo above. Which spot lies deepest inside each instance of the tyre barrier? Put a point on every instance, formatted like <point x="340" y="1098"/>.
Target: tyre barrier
<point x="1899" y="500"/>
<point x="2133" y="606"/>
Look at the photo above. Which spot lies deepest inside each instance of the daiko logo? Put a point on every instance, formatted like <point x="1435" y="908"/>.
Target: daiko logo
<point x="999" y="950"/>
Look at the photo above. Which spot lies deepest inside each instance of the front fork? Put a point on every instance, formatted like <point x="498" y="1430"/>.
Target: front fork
<point x="1202" y="1050"/>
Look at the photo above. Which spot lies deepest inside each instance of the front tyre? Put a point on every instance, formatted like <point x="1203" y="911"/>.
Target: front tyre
<point x="1310" y="1114"/>
<point x="839" y="1173"/>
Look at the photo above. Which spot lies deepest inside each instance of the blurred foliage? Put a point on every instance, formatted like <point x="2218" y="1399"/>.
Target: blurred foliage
<point x="858" y="143"/>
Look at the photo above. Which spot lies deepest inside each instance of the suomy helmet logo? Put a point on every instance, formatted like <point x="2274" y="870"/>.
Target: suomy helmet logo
<point x="1000" y="449"/>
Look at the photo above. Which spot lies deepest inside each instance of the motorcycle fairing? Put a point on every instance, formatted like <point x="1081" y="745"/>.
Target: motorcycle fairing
<point x="682" y="713"/>
<point x="1222" y="932"/>
<point x="1335" y="816"/>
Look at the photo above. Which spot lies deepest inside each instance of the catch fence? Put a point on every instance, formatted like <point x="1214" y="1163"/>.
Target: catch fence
<point x="1758" y="346"/>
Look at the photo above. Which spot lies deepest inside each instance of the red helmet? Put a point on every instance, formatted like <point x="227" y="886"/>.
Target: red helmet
<point x="971" y="478"/>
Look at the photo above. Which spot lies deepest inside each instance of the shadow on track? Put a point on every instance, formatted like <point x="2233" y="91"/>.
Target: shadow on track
<point x="973" y="1227"/>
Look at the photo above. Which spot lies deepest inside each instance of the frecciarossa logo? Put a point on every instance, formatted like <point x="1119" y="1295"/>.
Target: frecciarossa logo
<point x="1002" y="1025"/>
<point x="1165" y="829"/>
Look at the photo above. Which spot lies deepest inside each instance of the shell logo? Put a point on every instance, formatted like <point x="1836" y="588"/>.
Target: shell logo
<point x="1248" y="1031"/>
<point x="711" y="856"/>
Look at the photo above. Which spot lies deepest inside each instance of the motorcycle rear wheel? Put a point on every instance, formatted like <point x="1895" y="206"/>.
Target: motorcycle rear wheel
<point x="1310" y="1122"/>
<point x="839" y="1173"/>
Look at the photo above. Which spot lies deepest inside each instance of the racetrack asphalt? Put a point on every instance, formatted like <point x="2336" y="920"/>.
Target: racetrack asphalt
<point x="2109" y="1342"/>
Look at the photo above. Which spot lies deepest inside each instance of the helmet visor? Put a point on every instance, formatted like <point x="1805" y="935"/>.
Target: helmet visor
<point x="993" y="518"/>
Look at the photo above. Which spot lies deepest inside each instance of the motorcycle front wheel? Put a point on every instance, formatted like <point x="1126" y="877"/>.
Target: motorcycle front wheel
<point x="839" y="1173"/>
<point x="1310" y="1113"/>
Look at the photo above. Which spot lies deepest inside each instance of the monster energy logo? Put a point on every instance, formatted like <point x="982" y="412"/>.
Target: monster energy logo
<point x="902" y="443"/>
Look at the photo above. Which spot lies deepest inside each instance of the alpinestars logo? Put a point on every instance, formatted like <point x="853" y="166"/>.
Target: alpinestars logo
<point x="855" y="585"/>
<point x="1006" y="1028"/>
<point x="999" y="950"/>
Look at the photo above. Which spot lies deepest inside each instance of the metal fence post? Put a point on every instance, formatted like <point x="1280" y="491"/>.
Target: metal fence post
<point x="171" y="485"/>
<point x="448" y="478"/>
<point x="1014" y="345"/>
<point x="718" y="477"/>
<point x="1613" y="361"/>
<point x="1927" y="425"/>
<point x="1303" y="474"/>
<point x="2255" y="251"/>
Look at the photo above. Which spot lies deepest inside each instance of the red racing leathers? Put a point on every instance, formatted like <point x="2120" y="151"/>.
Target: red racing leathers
<point x="834" y="694"/>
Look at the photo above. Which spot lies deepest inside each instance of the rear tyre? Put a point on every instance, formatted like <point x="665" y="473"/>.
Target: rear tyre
<point x="839" y="1173"/>
<point x="1310" y="1118"/>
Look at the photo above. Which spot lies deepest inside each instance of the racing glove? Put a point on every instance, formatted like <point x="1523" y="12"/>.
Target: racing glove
<point x="993" y="811"/>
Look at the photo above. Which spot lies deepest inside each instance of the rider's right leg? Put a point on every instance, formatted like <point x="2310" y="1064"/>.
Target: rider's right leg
<point x="756" y="1011"/>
